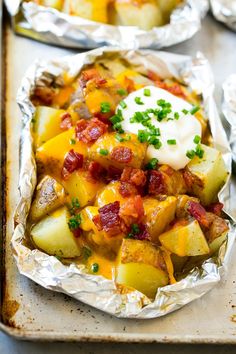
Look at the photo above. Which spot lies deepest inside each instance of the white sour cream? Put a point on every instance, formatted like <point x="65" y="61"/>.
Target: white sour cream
<point x="182" y="130"/>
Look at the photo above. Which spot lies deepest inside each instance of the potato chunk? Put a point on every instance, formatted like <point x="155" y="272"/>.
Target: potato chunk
<point x="95" y="10"/>
<point x="56" y="4"/>
<point x="110" y="194"/>
<point x="145" y="15"/>
<point x="80" y="186"/>
<point x="52" y="235"/>
<point x="210" y="172"/>
<point x="185" y="240"/>
<point x="141" y="266"/>
<point x="49" y="196"/>
<point x="110" y="144"/>
<point x="158" y="215"/>
<point x="50" y="156"/>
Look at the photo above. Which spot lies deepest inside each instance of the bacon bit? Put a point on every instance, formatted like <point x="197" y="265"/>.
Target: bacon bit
<point x="96" y="170"/>
<point x="90" y="131"/>
<point x="143" y="234"/>
<point x="66" y="121"/>
<point x="44" y="95"/>
<point x="91" y="74"/>
<point x="129" y="84"/>
<point x="73" y="161"/>
<point x="121" y="154"/>
<point x="76" y="232"/>
<point x="176" y="90"/>
<point x="217" y="227"/>
<point x="97" y="221"/>
<point x="153" y="76"/>
<point x="113" y="173"/>
<point x="110" y="219"/>
<point x="199" y="213"/>
<point x="134" y="176"/>
<point x="216" y="208"/>
<point x="104" y="117"/>
<point x="156" y="183"/>
<point x="132" y="211"/>
<point x="126" y="189"/>
<point x="189" y="179"/>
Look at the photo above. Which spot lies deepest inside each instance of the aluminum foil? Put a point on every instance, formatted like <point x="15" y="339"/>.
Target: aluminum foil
<point x="225" y="11"/>
<point x="51" y="26"/>
<point x="74" y="279"/>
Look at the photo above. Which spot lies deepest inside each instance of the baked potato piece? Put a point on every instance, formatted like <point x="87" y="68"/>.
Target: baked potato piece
<point x="56" y="4"/>
<point x="94" y="10"/>
<point x="50" y="156"/>
<point x="49" y="196"/>
<point x="142" y="13"/>
<point x="141" y="266"/>
<point x="80" y="185"/>
<point x="217" y="242"/>
<point x="167" y="7"/>
<point x="109" y="151"/>
<point x="158" y="215"/>
<point x="210" y="173"/>
<point x="52" y="235"/>
<point x="109" y="194"/>
<point x="185" y="240"/>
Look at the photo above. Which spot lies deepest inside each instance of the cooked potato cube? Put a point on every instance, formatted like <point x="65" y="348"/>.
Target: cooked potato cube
<point x="52" y="235"/>
<point x="110" y="194"/>
<point x="50" y="156"/>
<point x="141" y="266"/>
<point x="95" y="10"/>
<point x="145" y="15"/>
<point x="119" y="154"/>
<point x="167" y="7"/>
<point x="80" y="186"/>
<point x="158" y="215"/>
<point x="210" y="172"/>
<point x="49" y="196"/>
<point x="185" y="240"/>
<point x="56" y="4"/>
<point x="217" y="242"/>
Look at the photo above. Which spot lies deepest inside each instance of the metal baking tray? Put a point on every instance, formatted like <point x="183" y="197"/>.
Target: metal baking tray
<point x="28" y="311"/>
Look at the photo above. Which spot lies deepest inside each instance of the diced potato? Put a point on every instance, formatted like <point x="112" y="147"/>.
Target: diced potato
<point x="110" y="194"/>
<point x="167" y="7"/>
<point x="52" y="235"/>
<point x="145" y="15"/>
<point x="95" y="10"/>
<point x="158" y="215"/>
<point x="141" y="266"/>
<point x="56" y="4"/>
<point x="210" y="172"/>
<point x="50" y="156"/>
<point x="78" y="185"/>
<point x="178" y="262"/>
<point x="185" y="240"/>
<point x="49" y="196"/>
<point x="217" y="242"/>
<point x="182" y="202"/>
<point x="108" y="142"/>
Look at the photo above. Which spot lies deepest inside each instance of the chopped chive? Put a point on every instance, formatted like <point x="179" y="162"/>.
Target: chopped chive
<point x="135" y="229"/>
<point x="147" y="92"/>
<point x="123" y="104"/>
<point x="121" y="139"/>
<point x="194" y="110"/>
<point x="171" y="142"/>
<point x="105" y="107"/>
<point x="122" y="92"/>
<point x="158" y="145"/>
<point x="151" y="165"/>
<point x="176" y="115"/>
<point x="190" y="154"/>
<point x="72" y="141"/>
<point x="86" y="253"/>
<point x="197" y="139"/>
<point x="143" y="136"/>
<point x="161" y="102"/>
<point x="138" y="100"/>
<point x="103" y="152"/>
<point x="74" y="222"/>
<point x="185" y="111"/>
<point x="95" y="267"/>
<point x="199" y="151"/>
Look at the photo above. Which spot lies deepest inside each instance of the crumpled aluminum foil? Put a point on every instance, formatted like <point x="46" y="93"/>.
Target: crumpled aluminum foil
<point x="229" y="110"/>
<point x="73" y="279"/>
<point x="225" y="11"/>
<point x="51" y="26"/>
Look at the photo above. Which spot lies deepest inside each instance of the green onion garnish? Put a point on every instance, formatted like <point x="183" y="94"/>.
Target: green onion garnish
<point x="190" y="154"/>
<point x="171" y="142"/>
<point x="95" y="267"/>
<point x="147" y="92"/>
<point x="122" y="92"/>
<point x="123" y="104"/>
<point x="105" y="107"/>
<point x="103" y="152"/>
<point x="197" y="139"/>
<point x="194" y="110"/>
<point x="138" y="100"/>
<point x="151" y="165"/>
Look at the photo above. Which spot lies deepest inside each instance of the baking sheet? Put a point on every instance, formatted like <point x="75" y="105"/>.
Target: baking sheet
<point x="36" y="313"/>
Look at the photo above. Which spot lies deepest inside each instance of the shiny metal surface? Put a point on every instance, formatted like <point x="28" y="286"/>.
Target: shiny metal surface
<point x="33" y="312"/>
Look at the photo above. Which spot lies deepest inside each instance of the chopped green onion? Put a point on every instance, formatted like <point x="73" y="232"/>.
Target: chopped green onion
<point x="121" y="139"/>
<point x="135" y="229"/>
<point x="185" y="111"/>
<point x="74" y="222"/>
<point x="72" y="141"/>
<point x="151" y="165"/>
<point x="176" y="115"/>
<point x="194" y="110"/>
<point x="147" y="92"/>
<point x="123" y="104"/>
<point x="105" y="107"/>
<point x="199" y="151"/>
<point x="103" y="152"/>
<point x="190" y="154"/>
<point x="143" y="136"/>
<point x="197" y="139"/>
<point x="121" y="92"/>
<point x="138" y="100"/>
<point x="86" y="253"/>
<point x="171" y="142"/>
<point x="95" y="267"/>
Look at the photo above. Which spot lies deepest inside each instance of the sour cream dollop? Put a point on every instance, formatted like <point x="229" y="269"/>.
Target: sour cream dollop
<point x="177" y="130"/>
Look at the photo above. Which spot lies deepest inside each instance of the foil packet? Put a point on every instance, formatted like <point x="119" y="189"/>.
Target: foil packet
<point x="51" y="26"/>
<point x="74" y="280"/>
<point x="225" y="11"/>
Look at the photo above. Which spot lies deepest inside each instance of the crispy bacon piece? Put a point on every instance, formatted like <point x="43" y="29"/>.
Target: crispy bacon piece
<point x="90" y="131"/>
<point x="96" y="170"/>
<point x="153" y="76"/>
<point x="97" y="221"/>
<point x="91" y="74"/>
<point x="189" y="179"/>
<point x="76" y="232"/>
<point x="143" y="233"/>
<point x="66" y="121"/>
<point x="110" y="220"/>
<point x="215" y="208"/>
<point x="113" y="173"/>
<point x="43" y="95"/>
<point x="174" y="88"/>
<point x="127" y="189"/>
<point x="73" y="161"/>
<point x="132" y="211"/>
<point x="121" y="154"/>
<point x="156" y="183"/>
<point x="217" y="227"/>
<point x="129" y="84"/>
<point x="134" y="176"/>
<point x="199" y="213"/>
